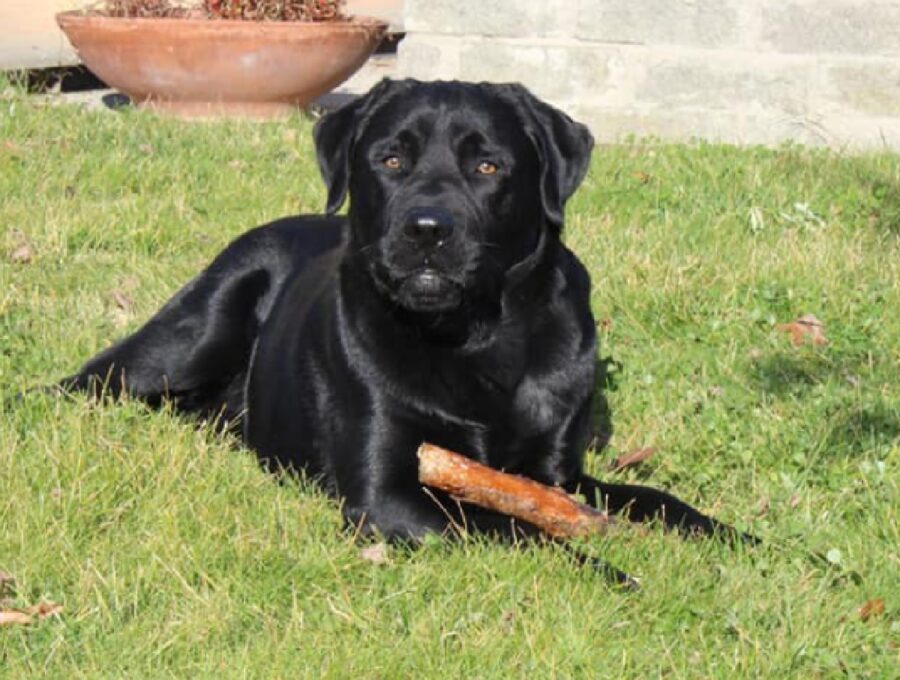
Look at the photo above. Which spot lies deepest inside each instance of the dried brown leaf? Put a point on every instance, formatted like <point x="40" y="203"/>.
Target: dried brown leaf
<point x="23" y="254"/>
<point x="376" y="554"/>
<point x="274" y="10"/>
<point x="807" y="327"/>
<point x="122" y="300"/>
<point x="632" y="458"/>
<point x="14" y="617"/>
<point x="871" y="608"/>
<point x="251" y="10"/>
<point x="764" y="505"/>
<point x="28" y="615"/>
<point x="45" y="610"/>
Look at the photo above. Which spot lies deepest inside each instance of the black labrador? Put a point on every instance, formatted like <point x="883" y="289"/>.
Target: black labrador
<point x="443" y="308"/>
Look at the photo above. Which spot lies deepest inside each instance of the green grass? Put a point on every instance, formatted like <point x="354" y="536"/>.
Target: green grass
<point x="176" y="556"/>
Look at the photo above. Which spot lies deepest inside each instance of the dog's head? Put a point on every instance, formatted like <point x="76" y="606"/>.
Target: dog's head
<point x="452" y="185"/>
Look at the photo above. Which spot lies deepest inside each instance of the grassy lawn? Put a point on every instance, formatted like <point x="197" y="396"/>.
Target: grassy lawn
<point x="174" y="555"/>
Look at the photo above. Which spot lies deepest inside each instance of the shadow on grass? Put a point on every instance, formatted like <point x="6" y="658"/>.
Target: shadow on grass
<point x="852" y="427"/>
<point x="606" y="380"/>
<point x="782" y="374"/>
<point x="856" y="429"/>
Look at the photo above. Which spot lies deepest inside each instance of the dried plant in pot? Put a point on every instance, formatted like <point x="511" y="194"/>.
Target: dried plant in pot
<point x="259" y="58"/>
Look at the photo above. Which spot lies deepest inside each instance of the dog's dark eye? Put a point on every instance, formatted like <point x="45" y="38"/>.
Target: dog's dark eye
<point x="392" y="162"/>
<point x="486" y="168"/>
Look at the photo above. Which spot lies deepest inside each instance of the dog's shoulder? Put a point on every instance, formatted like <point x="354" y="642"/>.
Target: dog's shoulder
<point x="576" y="275"/>
<point x="277" y="250"/>
<point x="576" y="291"/>
<point x="299" y="235"/>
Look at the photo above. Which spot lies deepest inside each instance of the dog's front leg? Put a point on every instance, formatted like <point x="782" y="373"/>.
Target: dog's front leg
<point x="644" y="504"/>
<point x="402" y="518"/>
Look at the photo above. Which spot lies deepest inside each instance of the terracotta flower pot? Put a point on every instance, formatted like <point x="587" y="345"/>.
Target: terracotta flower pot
<point x="207" y="67"/>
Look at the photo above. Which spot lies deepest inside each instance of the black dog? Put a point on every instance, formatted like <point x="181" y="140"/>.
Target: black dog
<point x="444" y="308"/>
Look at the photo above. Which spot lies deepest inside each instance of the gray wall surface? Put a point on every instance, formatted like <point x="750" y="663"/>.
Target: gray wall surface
<point x="819" y="72"/>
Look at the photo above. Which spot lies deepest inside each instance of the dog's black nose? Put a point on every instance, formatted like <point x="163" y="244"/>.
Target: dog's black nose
<point x="428" y="226"/>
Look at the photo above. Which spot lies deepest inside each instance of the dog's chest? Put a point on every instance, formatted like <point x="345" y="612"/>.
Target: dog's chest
<point x="499" y="394"/>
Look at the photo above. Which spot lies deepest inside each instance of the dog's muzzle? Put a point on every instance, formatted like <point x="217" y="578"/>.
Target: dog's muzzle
<point x="420" y="266"/>
<point x="427" y="290"/>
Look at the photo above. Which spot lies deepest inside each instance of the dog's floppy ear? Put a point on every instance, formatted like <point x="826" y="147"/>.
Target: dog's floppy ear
<point x="563" y="146"/>
<point x="335" y="135"/>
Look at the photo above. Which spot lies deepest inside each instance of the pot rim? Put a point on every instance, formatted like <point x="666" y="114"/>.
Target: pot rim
<point x="355" y="21"/>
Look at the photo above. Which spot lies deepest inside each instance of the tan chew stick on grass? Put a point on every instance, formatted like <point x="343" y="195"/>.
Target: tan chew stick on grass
<point x="549" y="508"/>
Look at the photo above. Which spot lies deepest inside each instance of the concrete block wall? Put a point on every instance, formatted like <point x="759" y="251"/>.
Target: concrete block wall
<point x="29" y="36"/>
<point x="818" y="72"/>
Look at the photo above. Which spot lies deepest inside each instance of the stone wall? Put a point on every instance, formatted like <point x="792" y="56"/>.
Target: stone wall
<point x="745" y="71"/>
